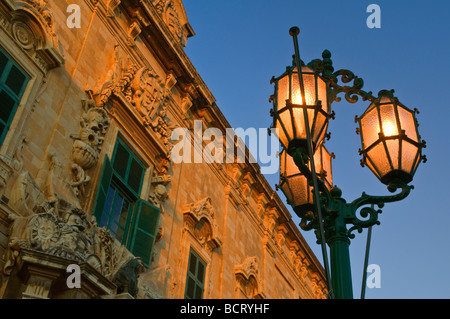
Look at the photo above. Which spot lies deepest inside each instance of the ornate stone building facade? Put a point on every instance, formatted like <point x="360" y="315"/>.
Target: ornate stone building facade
<point x="86" y="176"/>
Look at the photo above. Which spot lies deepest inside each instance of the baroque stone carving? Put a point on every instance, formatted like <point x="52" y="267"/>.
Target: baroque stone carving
<point x="200" y="220"/>
<point x="25" y="194"/>
<point x="126" y="278"/>
<point x="87" y="144"/>
<point x="247" y="277"/>
<point x="167" y="10"/>
<point x="145" y="91"/>
<point x="59" y="229"/>
<point x="160" y="180"/>
<point x="33" y="28"/>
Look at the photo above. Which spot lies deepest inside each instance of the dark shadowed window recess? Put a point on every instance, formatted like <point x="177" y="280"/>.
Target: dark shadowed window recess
<point x="195" y="279"/>
<point x="13" y="81"/>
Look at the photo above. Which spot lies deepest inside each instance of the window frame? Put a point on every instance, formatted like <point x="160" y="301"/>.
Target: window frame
<point x="123" y="180"/>
<point x="194" y="277"/>
<point x="141" y="225"/>
<point x="16" y="97"/>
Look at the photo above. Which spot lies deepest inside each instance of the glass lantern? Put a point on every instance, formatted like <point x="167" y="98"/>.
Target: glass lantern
<point x="391" y="145"/>
<point x="295" y="186"/>
<point x="289" y="105"/>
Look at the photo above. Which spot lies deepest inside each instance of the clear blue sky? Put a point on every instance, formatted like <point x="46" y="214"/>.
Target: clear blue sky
<point x="240" y="44"/>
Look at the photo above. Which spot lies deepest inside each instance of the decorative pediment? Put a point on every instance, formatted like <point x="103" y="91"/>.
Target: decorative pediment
<point x="173" y="14"/>
<point x="32" y="26"/>
<point x="144" y="90"/>
<point x="248" y="278"/>
<point x="200" y="220"/>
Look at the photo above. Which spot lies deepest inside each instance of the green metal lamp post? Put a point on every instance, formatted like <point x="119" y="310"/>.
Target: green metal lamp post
<point x="391" y="148"/>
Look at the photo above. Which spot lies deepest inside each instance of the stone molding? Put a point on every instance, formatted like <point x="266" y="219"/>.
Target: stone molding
<point x="31" y="24"/>
<point x="200" y="220"/>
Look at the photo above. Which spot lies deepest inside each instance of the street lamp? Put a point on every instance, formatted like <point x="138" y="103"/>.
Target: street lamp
<point x="391" y="148"/>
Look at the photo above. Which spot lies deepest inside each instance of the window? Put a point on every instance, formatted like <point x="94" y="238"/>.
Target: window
<point x="118" y="207"/>
<point x="13" y="81"/>
<point x="195" y="279"/>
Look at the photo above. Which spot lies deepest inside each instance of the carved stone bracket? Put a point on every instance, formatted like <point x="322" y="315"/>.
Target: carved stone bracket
<point x="200" y="220"/>
<point x="87" y="144"/>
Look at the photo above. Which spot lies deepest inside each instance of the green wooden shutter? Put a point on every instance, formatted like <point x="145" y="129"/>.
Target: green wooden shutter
<point x="128" y="168"/>
<point x="145" y="228"/>
<point x="195" y="279"/>
<point x="102" y="191"/>
<point x="13" y="81"/>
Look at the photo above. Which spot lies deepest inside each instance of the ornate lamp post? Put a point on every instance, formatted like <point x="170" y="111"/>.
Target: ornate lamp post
<point x="391" y="148"/>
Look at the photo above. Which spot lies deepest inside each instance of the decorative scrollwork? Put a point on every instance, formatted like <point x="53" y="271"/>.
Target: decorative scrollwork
<point x="333" y="205"/>
<point x="326" y="69"/>
<point x="365" y="199"/>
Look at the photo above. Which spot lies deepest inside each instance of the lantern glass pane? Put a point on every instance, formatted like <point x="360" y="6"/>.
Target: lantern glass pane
<point x="310" y="89"/>
<point x="320" y="122"/>
<point x="287" y="133"/>
<point x="300" y="190"/>
<point x="409" y="152"/>
<point x="322" y="94"/>
<point x="283" y="92"/>
<point x="291" y="168"/>
<point x="388" y="120"/>
<point x="393" y="147"/>
<point x="379" y="159"/>
<point x="299" y="122"/>
<point x="408" y="123"/>
<point x="318" y="160"/>
<point x="322" y="134"/>
<point x="416" y="163"/>
<point x="370" y="127"/>
<point x="369" y="164"/>
<point x="287" y="192"/>
<point x="326" y="162"/>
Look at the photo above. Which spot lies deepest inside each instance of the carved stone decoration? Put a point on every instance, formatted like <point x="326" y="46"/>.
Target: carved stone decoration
<point x="126" y="278"/>
<point x="6" y="171"/>
<point x="318" y="287"/>
<point x="25" y="194"/>
<point x="159" y="195"/>
<point x="87" y="144"/>
<point x="282" y="231"/>
<point x="33" y="28"/>
<point x="200" y="220"/>
<point x="133" y="32"/>
<point x="270" y="220"/>
<point x="44" y="231"/>
<point x="17" y="163"/>
<point x="112" y="5"/>
<point x="169" y="14"/>
<point x="147" y="93"/>
<point x="247" y="277"/>
<point x="61" y="230"/>
<point x="119" y="80"/>
<point x="160" y="180"/>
